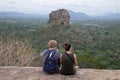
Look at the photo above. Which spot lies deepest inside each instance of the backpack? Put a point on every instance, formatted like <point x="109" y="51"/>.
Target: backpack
<point x="50" y="64"/>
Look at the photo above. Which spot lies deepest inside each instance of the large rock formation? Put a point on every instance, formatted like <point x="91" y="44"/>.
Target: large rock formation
<point x="59" y="17"/>
<point x="36" y="73"/>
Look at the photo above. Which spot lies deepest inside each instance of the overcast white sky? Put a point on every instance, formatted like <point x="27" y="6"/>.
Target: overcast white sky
<point x="91" y="7"/>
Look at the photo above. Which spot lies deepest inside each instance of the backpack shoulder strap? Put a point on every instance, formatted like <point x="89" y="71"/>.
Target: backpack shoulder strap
<point x="46" y="52"/>
<point x="50" y="53"/>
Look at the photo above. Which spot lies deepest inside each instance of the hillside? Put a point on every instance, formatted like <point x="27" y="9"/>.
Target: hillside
<point x="21" y="15"/>
<point x="35" y="73"/>
<point x="79" y="16"/>
<point x="74" y="16"/>
<point x="40" y="37"/>
<point x="94" y="42"/>
<point x="58" y="28"/>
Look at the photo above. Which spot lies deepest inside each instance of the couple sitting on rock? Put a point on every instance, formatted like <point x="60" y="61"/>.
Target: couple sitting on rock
<point x="54" y="62"/>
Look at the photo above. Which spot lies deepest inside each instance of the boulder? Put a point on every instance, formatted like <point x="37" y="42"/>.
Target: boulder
<point x="36" y="73"/>
<point x="59" y="17"/>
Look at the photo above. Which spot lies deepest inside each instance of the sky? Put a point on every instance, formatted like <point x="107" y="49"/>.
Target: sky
<point x="90" y="7"/>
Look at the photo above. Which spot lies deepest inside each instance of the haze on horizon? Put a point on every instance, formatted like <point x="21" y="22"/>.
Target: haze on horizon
<point x="90" y="7"/>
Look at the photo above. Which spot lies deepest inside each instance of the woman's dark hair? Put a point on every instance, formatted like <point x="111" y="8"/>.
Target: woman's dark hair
<point x="67" y="46"/>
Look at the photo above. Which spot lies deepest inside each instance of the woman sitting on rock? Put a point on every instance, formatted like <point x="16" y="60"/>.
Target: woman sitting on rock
<point x="68" y="61"/>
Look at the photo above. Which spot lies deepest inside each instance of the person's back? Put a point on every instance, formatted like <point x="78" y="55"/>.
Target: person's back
<point x="51" y="58"/>
<point x="51" y="61"/>
<point x="68" y="60"/>
<point x="67" y="64"/>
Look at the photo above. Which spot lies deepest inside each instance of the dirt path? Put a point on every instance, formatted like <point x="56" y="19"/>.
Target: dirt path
<point x="35" y="73"/>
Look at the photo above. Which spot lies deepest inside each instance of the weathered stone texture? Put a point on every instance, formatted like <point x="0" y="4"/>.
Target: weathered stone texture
<point x="36" y="73"/>
<point x="59" y="17"/>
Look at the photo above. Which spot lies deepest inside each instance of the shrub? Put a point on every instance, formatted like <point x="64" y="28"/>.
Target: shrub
<point x="15" y="53"/>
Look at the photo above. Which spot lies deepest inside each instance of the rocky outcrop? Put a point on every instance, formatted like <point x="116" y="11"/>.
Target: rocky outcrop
<point x="59" y="17"/>
<point x="36" y="73"/>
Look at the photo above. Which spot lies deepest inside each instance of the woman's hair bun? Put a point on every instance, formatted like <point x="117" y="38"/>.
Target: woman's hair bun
<point x="67" y="46"/>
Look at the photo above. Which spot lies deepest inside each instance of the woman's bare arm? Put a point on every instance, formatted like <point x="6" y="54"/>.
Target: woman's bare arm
<point x="75" y="59"/>
<point x="60" y="58"/>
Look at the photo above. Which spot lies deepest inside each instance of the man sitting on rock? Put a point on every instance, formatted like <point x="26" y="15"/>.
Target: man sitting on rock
<point x="51" y="58"/>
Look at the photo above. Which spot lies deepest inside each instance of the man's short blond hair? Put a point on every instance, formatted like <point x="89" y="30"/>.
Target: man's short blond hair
<point x="52" y="43"/>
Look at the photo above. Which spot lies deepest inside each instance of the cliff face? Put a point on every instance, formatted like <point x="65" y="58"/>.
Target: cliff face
<point x="36" y="73"/>
<point x="59" y="17"/>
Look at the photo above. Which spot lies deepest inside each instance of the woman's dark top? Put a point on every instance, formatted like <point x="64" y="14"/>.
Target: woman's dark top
<point x="67" y="67"/>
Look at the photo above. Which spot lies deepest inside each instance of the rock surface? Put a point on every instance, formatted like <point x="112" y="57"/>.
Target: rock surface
<point x="59" y="17"/>
<point x="35" y="73"/>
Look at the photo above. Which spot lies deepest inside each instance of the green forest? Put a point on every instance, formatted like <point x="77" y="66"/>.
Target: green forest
<point x="95" y="42"/>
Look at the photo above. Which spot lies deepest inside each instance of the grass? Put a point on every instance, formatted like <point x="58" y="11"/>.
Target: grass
<point x="16" y="53"/>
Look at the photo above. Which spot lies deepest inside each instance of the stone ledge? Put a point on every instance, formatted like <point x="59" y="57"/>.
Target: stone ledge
<point x="36" y="73"/>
